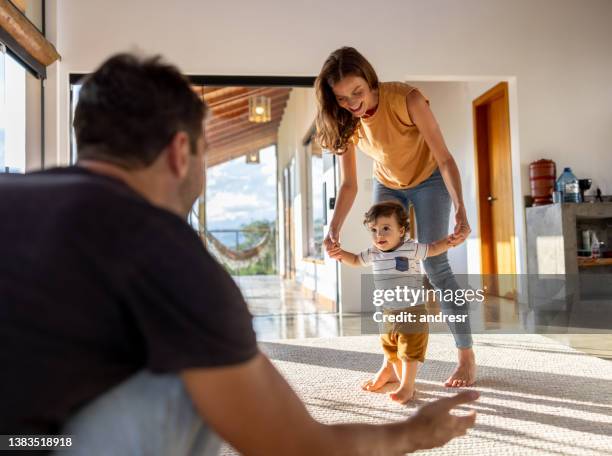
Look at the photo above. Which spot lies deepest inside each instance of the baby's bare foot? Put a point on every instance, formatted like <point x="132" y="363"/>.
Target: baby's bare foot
<point x="402" y="395"/>
<point x="384" y="375"/>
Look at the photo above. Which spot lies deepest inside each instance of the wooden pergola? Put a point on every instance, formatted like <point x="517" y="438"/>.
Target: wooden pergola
<point x="229" y="133"/>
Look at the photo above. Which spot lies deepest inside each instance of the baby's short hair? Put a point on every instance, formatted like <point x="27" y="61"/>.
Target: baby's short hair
<point x="387" y="209"/>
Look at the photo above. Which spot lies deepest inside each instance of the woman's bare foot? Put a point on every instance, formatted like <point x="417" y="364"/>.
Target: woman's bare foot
<point x="465" y="373"/>
<point x="385" y="375"/>
<point x="402" y="394"/>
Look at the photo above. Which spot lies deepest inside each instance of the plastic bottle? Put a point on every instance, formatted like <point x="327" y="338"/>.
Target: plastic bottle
<point x="567" y="184"/>
<point x="595" y="248"/>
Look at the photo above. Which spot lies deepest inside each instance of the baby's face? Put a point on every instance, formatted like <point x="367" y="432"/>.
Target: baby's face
<point x="387" y="234"/>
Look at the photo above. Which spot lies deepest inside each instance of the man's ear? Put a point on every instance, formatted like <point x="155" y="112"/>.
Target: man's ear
<point x="178" y="154"/>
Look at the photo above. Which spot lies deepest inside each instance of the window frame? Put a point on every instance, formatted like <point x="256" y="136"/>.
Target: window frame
<point x="5" y="169"/>
<point x="311" y="252"/>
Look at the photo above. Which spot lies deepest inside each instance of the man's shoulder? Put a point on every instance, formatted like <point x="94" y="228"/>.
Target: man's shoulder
<point x="75" y="187"/>
<point x="73" y="181"/>
<point x="88" y="204"/>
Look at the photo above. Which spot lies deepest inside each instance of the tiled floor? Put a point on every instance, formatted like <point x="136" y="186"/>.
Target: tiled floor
<point x="284" y="310"/>
<point x="599" y="345"/>
<point x="270" y="295"/>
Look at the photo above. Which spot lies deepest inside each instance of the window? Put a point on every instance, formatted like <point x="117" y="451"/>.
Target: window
<point x="316" y="202"/>
<point x="12" y="115"/>
<point x="74" y="99"/>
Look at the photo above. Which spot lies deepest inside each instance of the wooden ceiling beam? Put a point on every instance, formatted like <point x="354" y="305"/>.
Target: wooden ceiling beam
<point x="20" y="4"/>
<point x="239" y="129"/>
<point x="244" y="97"/>
<point x="219" y="94"/>
<point x="16" y="24"/>
<point x="210" y="89"/>
<point x="235" y="111"/>
<point x="213" y="128"/>
<point x="244" y="146"/>
<point x="239" y="136"/>
<point x="244" y="94"/>
<point x="223" y="154"/>
<point x="246" y="133"/>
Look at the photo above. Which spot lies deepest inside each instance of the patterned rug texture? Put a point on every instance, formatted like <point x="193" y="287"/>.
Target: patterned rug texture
<point x="538" y="397"/>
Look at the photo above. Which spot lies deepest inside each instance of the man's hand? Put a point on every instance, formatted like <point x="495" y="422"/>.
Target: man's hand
<point x="433" y="426"/>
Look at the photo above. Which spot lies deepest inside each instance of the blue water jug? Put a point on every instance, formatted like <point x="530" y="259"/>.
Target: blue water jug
<point x="567" y="184"/>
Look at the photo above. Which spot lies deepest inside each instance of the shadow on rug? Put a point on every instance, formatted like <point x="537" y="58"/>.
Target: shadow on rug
<point x="537" y="396"/>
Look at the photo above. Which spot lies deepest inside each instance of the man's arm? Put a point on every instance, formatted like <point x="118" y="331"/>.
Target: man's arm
<point x="252" y="407"/>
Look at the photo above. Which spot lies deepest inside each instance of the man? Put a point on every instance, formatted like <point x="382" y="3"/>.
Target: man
<point x="116" y="325"/>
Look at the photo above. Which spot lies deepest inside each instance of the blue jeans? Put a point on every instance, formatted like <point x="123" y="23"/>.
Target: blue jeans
<point x="145" y="415"/>
<point x="432" y="206"/>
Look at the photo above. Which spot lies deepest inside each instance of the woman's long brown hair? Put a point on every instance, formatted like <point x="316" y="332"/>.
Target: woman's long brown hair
<point x="336" y="125"/>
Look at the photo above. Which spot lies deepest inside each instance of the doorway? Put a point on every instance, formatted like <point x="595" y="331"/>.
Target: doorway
<point x="494" y="189"/>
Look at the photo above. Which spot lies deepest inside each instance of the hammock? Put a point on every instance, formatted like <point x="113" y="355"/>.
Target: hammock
<point x="236" y="258"/>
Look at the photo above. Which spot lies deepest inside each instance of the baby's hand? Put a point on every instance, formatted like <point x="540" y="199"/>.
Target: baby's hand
<point x="335" y="253"/>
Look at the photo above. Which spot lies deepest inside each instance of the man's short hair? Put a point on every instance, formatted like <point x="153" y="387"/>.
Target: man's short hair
<point x="130" y="108"/>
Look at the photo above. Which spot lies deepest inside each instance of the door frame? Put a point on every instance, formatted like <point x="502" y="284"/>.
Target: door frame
<point x="289" y="267"/>
<point x="481" y="160"/>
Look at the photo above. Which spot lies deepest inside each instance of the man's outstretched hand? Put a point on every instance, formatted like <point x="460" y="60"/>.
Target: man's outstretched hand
<point x="432" y="425"/>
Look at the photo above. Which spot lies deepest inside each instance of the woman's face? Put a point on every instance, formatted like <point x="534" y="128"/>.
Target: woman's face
<point x="353" y="94"/>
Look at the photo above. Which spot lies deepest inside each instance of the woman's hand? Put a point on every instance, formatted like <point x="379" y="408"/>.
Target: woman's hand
<point x="462" y="228"/>
<point x="336" y="253"/>
<point x="332" y="243"/>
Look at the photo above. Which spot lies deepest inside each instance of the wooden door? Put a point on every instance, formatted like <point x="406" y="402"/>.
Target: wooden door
<point x="495" y="202"/>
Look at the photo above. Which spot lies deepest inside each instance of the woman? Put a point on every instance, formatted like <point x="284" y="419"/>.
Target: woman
<point x="392" y="123"/>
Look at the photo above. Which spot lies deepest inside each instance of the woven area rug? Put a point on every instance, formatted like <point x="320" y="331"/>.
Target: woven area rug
<point x="538" y="397"/>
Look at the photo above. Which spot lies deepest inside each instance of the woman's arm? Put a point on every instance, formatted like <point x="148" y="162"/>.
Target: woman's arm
<point x="345" y="199"/>
<point x="423" y="118"/>
<point x="345" y="257"/>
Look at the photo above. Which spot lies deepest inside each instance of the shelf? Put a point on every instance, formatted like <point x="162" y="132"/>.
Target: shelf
<point x="584" y="262"/>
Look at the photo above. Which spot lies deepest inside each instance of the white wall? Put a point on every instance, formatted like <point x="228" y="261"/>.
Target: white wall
<point x="33" y="99"/>
<point x="556" y="53"/>
<point x="33" y="123"/>
<point x="451" y="103"/>
<point x="451" y="107"/>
